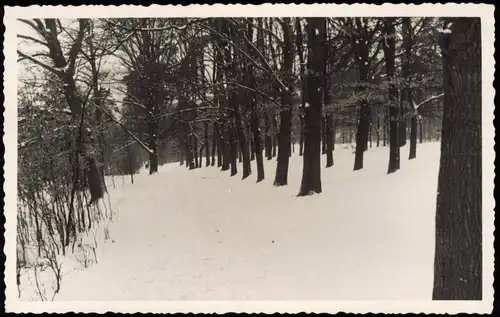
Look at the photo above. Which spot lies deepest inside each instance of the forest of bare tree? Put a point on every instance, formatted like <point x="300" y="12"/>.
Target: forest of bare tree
<point x="102" y="98"/>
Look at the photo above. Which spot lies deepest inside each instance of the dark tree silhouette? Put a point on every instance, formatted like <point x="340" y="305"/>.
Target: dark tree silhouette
<point x="285" y="137"/>
<point x="458" y="256"/>
<point x="389" y="47"/>
<point x="311" y="170"/>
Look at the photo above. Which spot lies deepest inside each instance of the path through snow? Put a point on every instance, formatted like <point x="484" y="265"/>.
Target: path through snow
<point x="203" y="235"/>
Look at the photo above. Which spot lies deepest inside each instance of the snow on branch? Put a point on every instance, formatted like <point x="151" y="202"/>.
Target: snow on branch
<point x="40" y="63"/>
<point x="112" y="118"/>
<point x="416" y="106"/>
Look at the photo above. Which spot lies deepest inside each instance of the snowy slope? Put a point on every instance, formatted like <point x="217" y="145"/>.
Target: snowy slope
<point x="203" y="235"/>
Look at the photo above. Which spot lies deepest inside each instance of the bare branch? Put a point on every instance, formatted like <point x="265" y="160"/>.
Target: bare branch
<point x="40" y="63"/>
<point x="124" y="127"/>
<point x="416" y="106"/>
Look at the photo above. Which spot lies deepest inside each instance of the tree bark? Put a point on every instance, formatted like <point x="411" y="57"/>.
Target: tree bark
<point x="226" y="152"/>
<point x="252" y="150"/>
<point x="323" y="135"/>
<point x="362" y="135"/>
<point x="362" y="52"/>
<point x="329" y="140"/>
<point x="406" y="96"/>
<point x="195" y="150"/>
<point x="233" y="151"/>
<point x="274" y="137"/>
<point x="311" y="170"/>
<point x="285" y="136"/>
<point x="389" y="47"/>
<point x="421" y="130"/>
<point x="258" y="146"/>
<point x="215" y="137"/>
<point x="300" y="53"/>
<point x="207" y="146"/>
<point x="189" y="153"/>
<point x="268" y="139"/>
<point x="413" y="137"/>
<point x="458" y="255"/>
<point x="378" y="131"/>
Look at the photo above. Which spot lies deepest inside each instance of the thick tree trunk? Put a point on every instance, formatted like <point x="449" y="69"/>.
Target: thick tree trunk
<point x="370" y="137"/>
<point x="301" y="138"/>
<point x="323" y="135"/>
<point x="220" y="144"/>
<point x="195" y="150"/>
<point x="281" y="177"/>
<point x="334" y="134"/>
<point x="243" y="144"/>
<point x="94" y="179"/>
<point x="298" y="44"/>
<point x="252" y="150"/>
<point x="285" y="136"/>
<point x="389" y="48"/>
<point x="240" y="154"/>
<point x="311" y="170"/>
<point x="458" y="257"/>
<point x="233" y="152"/>
<point x="413" y="138"/>
<point x="181" y="158"/>
<point x="362" y="135"/>
<point x="268" y="139"/>
<point x="421" y="131"/>
<point x="362" y="50"/>
<point x="226" y="151"/>
<point x="406" y="96"/>
<point x="329" y="140"/>
<point x="258" y="147"/>
<point x="189" y="153"/>
<point x="384" y="127"/>
<point x="402" y="128"/>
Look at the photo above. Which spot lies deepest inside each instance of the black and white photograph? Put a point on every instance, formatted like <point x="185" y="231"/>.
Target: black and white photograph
<point x="249" y="158"/>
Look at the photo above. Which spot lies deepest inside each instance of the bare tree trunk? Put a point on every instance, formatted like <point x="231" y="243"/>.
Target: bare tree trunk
<point x="268" y="139"/>
<point x="301" y="138"/>
<point x="215" y="138"/>
<point x="252" y="150"/>
<point x="413" y="137"/>
<point x="458" y="257"/>
<point x="226" y="150"/>
<point x="189" y="153"/>
<point x="274" y="137"/>
<point x="362" y="50"/>
<point x="285" y="137"/>
<point x="300" y="53"/>
<point x="378" y="131"/>
<point x="195" y="150"/>
<point x="258" y="146"/>
<point x="362" y="135"/>
<point x="389" y="47"/>
<point x="406" y="97"/>
<point x="329" y="140"/>
<point x="311" y="171"/>
<point x="207" y="146"/>
<point x="421" y="130"/>
<point x="233" y="150"/>
<point x="323" y="135"/>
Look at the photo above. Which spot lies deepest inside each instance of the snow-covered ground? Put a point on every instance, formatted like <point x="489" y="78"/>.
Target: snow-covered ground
<point x="203" y="235"/>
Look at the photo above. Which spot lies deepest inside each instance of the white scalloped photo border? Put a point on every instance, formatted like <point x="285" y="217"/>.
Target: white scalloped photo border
<point x="486" y="12"/>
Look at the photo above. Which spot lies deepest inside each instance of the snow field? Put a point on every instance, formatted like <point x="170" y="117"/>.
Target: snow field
<point x="203" y="235"/>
